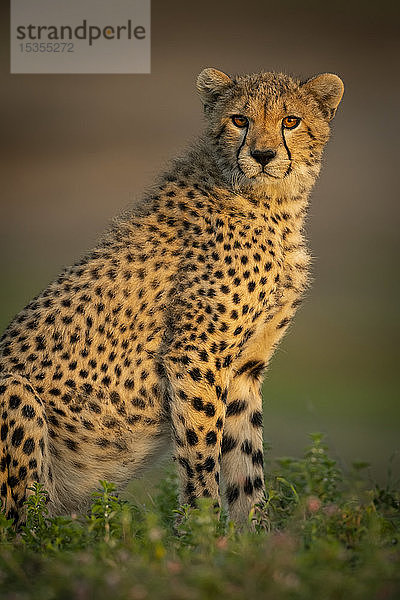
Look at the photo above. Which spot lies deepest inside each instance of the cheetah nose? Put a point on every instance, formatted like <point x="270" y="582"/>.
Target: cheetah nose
<point x="263" y="156"/>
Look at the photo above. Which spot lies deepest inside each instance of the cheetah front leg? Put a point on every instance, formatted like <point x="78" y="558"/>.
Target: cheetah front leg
<point x="197" y="417"/>
<point x="242" y="444"/>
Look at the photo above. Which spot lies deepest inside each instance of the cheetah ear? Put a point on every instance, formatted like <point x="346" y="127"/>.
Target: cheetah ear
<point x="211" y="83"/>
<point x="328" y="90"/>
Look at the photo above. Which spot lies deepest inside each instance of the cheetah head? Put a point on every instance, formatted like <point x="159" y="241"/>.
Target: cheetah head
<point x="268" y="129"/>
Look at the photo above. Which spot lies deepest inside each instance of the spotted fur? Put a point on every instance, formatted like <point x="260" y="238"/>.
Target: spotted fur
<point x="167" y="325"/>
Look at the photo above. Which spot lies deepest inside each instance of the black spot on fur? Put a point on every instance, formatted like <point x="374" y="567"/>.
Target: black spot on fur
<point x="28" y="411"/>
<point x="228" y="444"/>
<point x="71" y="444"/>
<point x="3" y="432"/>
<point x="257" y="458"/>
<point x="209" y="409"/>
<point x="232" y="493"/>
<point x="195" y="374"/>
<point x="17" y="436"/>
<point x="211" y="438"/>
<point x="209" y="464"/>
<point x="248" y="486"/>
<point x="247" y="447"/>
<point x="192" y="437"/>
<point x="258" y="483"/>
<point x="256" y="419"/>
<point x="14" y="401"/>
<point x="236" y="407"/>
<point x="29" y="446"/>
<point x="253" y="368"/>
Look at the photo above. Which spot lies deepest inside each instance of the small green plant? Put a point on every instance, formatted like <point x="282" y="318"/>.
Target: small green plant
<point x="42" y="533"/>
<point x="311" y="480"/>
<point x="316" y="474"/>
<point x="35" y="532"/>
<point x="105" y="520"/>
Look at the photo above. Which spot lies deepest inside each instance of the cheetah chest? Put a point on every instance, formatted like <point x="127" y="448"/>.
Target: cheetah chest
<point x="272" y="273"/>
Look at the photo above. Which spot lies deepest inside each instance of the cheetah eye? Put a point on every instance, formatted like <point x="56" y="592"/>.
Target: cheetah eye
<point x="240" y="121"/>
<point x="290" y="122"/>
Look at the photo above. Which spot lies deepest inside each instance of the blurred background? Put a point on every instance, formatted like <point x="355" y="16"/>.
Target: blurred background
<point x="77" y="149"/>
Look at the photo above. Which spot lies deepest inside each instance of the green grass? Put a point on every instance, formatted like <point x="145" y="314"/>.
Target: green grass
<point x="318" y="534"/>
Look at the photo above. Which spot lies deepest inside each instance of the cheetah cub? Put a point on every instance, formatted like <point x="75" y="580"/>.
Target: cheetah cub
<point x="163" y="331"/>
